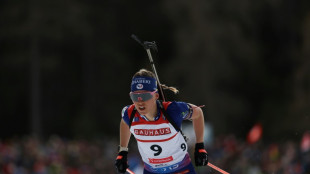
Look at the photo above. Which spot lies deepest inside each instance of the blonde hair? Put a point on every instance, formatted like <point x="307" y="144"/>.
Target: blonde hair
<point x="147" y="73"/>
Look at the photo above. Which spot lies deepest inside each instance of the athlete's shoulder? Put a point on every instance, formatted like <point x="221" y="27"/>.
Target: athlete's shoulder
<point x="126" y="112"/>
<point x="166" y="104"/>
<point x="177" y="104"/>
<point x="180" y="108"/>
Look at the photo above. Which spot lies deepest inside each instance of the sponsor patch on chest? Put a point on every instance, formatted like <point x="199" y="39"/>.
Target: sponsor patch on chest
<point x="152" y="132"/>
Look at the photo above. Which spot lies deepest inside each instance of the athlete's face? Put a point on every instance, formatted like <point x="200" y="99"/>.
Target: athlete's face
<point x="144" y="106"/>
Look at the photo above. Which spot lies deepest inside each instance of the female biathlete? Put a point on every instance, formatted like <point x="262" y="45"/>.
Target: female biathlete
<point x="161" y="145"/>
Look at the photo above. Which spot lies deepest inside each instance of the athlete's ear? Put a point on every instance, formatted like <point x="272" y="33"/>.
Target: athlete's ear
<point x="156" y="96"/>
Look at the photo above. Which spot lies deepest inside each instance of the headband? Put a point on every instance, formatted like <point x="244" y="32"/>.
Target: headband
<point x="143" y="83"/>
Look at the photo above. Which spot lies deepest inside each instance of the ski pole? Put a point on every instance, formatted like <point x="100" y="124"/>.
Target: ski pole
<point x="147" y="46"/>
<point x="217" y="168"/>
<point x="129" y="171"/>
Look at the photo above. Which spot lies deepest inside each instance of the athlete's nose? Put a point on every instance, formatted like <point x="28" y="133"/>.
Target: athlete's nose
<point x="140" y="102"/>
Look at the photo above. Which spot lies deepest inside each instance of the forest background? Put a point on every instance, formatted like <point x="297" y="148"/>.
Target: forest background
<point x="66" y="66"/>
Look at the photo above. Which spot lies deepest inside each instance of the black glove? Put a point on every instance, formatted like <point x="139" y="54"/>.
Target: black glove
<point x="201" y="155"/>
<point x="121" y="162"/>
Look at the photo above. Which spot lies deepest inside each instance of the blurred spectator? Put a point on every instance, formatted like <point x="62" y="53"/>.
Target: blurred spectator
<point x="61" y="156"/>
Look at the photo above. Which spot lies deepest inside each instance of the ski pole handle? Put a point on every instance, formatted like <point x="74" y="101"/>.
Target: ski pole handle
<point x="217" y="168"/>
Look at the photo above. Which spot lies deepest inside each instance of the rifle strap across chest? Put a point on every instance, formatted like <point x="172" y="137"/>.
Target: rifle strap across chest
<point x="132" y="115"/>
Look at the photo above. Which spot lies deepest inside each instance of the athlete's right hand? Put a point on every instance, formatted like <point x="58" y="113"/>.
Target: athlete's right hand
<point x="121" y="162"/>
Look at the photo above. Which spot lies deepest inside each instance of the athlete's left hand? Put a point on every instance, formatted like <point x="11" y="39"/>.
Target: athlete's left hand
<point x="201" y="155"/>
